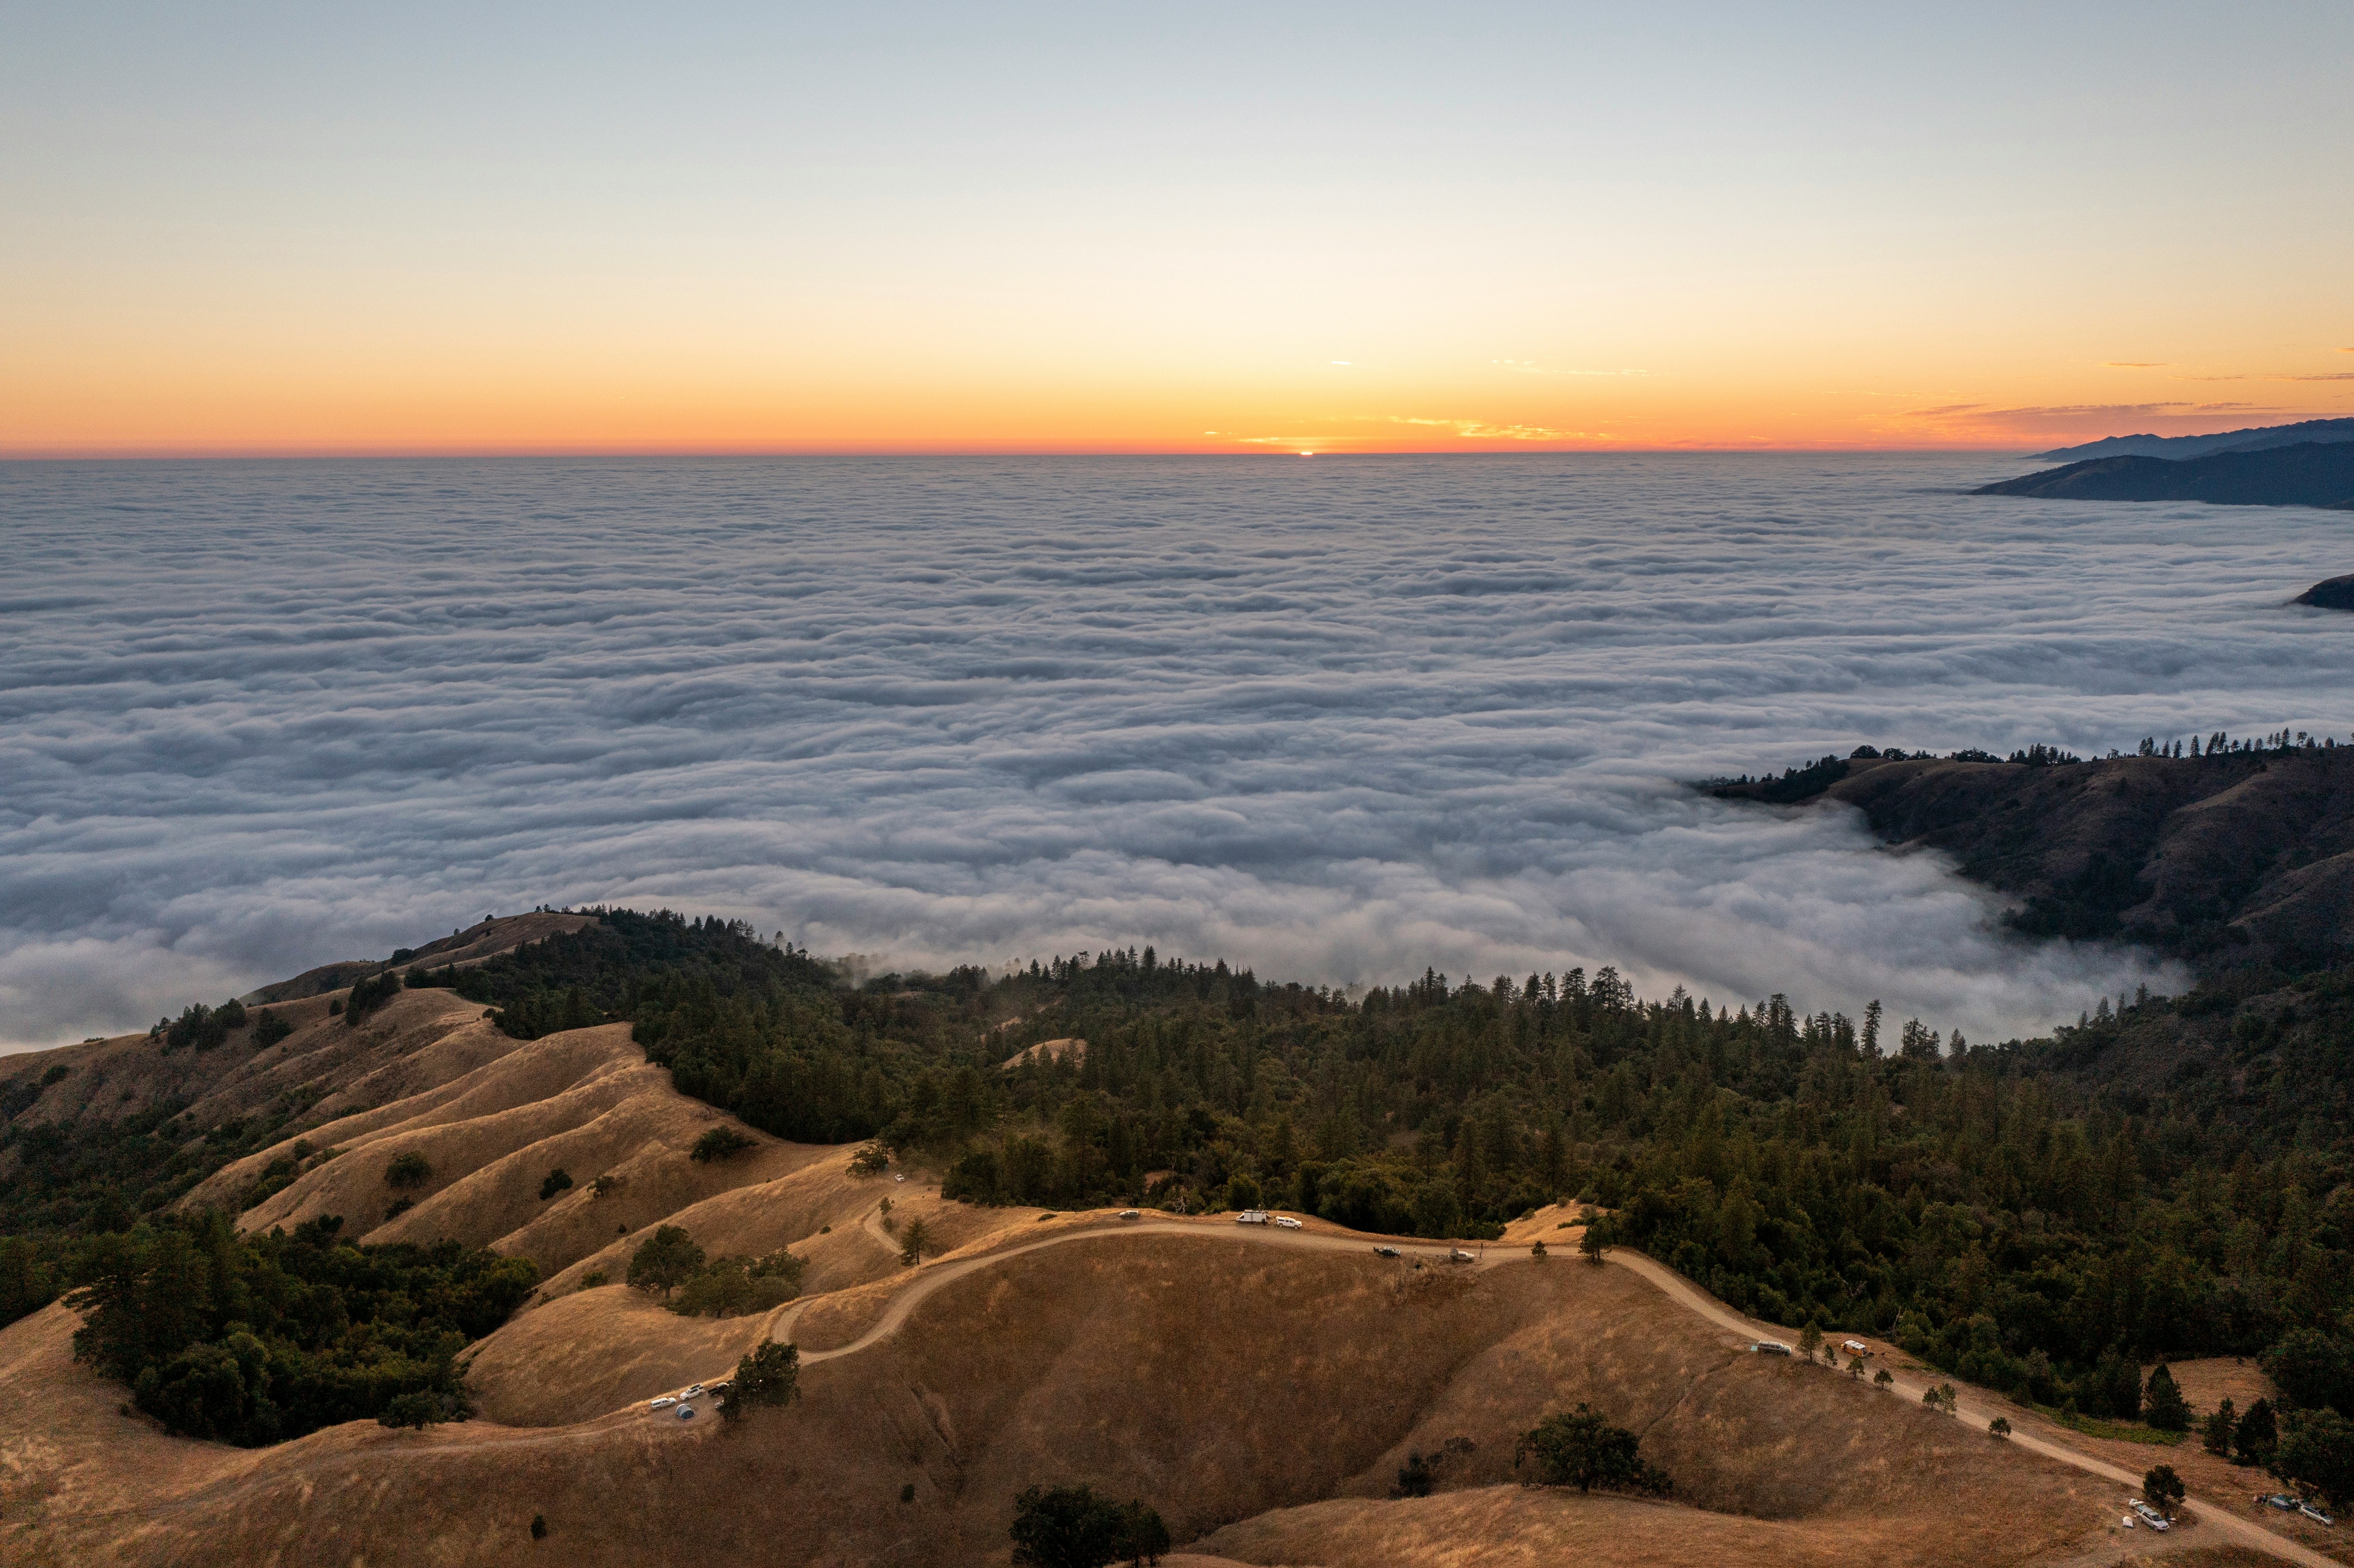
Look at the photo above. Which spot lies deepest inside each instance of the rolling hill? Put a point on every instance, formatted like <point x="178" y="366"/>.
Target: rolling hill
<point x="2312" y="474"/>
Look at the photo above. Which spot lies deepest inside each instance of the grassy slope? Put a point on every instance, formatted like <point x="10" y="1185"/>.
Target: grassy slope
<point x="1222" y="1381"/>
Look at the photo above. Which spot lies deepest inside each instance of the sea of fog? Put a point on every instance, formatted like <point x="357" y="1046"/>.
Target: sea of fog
<point x="1339" y="720"/>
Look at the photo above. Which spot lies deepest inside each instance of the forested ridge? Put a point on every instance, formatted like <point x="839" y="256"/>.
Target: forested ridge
<point x="2167" y="1177"/>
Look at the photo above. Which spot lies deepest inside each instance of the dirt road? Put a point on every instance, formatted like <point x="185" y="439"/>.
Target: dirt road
<point x="933" y="1278"/>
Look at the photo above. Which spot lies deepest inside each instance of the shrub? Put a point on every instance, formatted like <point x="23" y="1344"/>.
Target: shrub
<point x="1070" y="1527"/>
<point x="735" y="1286"/>
<point x="2162" y="1488"/>
<point x="665" y="1260"/>
<point x="594" y="1278"/>
<point x="2217" y="1431"/>
<point x="1998" y="1427"/>
<point x="871" y="1161"/>
<point x="399" y="1207"/>
<point x="420" y="1410"/>
<point x="1414" y="1477"/>
<point x="557" y="1180"/>
<point x="770" y="1375"/>
<point x="2258" y="1433"/>
<point x="368" y="995"/>
<point x="1579" y="1448"/>
<point x="912" y="1245"/>
<point x="408" y="1169"/>
<point x="720" y="1143"/>
<point x="268" y="1029"/>
<point x="2316" y="1455"/>
<point x="539" y="1527"/>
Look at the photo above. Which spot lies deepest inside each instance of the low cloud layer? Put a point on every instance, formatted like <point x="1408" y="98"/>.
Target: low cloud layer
<point x="1339" y="720"/>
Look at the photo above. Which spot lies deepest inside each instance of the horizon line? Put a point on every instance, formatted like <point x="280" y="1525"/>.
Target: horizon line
<point x="345" y="454"/>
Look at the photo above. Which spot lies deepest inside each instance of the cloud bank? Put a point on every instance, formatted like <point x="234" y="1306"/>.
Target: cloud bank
<point x="1340" y="720"/>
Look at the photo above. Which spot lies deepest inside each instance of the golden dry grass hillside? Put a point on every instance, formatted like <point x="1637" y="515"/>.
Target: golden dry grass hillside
<point x="1261" y="1388"/>
<point x="1240" y="1387"/>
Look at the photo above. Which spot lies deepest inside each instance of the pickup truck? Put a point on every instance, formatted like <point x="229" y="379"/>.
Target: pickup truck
<point x="1459" y="1255"/>
<point x="1287" y="1222"/>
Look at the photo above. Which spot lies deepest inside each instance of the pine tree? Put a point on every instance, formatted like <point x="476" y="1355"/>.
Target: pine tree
<point x="2220" y="1429"/>
<point x="2162" y="1402"/>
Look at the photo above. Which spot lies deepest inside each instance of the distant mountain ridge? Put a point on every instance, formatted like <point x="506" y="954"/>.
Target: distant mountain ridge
<point x="2312" y="474"/>
<point x="2177" y="448"/>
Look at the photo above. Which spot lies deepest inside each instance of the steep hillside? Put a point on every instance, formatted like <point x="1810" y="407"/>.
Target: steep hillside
<point x="2313" y="473"/>
<point x="2236" y="858"/>
<point x="1219" y="1379"/>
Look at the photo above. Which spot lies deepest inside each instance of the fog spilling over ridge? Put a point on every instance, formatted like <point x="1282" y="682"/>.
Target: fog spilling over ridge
<point x="1338" y="719"/>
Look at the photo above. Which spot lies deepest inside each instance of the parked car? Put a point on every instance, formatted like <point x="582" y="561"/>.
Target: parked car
<point x="1129" y="1214"/>
<point x="1287" y="1222"/>
<point x="1459" y="1255"/>
<point x="1251" y="1217"/>
<point x="692" y="1393"/>
<point x="686" y="1412"/>
<point x="1771" y="1347"/>
<point x="2281" y="1501"/>
<point x="896" y="1177"/>
<point x="664" y="1402"/>
<point x="1385" y="1251"/>
<point x="718" y="1389"/>
<point x="2314" y="1514"/>
<point x="1855" y="1347"/>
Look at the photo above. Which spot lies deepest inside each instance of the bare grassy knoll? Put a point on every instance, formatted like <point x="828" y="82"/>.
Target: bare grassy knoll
<point x="1220" y="1379"/>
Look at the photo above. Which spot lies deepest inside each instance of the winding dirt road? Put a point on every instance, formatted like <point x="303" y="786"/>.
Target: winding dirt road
<point x="933" y="1277"/>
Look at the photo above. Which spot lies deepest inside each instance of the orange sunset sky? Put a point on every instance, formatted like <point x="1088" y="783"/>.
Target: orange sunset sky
<point x="267" y="230"/>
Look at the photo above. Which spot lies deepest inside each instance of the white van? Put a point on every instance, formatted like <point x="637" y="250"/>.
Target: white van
<point x="664" y="1402"/>
<point x="1251" y="1217"/>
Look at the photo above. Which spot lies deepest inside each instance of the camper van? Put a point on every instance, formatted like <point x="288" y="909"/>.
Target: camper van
<point x="1251" y="1217"/>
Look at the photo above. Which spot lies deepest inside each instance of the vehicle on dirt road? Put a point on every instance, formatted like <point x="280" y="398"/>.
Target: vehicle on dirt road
<point x="1385" y="1251"/>
<point x="1771" y="1347"/>
<point x="1459" y="1255"/>
<point x="2314" y="1514"/>
<point x="1287" y="1222"/>
<point x="1129" y="1214"/>
<point x="1251" y="1217"/>
<point x="2278" y="1499"/>
<point x="664" y="1402"/>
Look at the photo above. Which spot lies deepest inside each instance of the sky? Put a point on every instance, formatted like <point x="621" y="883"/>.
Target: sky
<point x="243" y="228"/>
